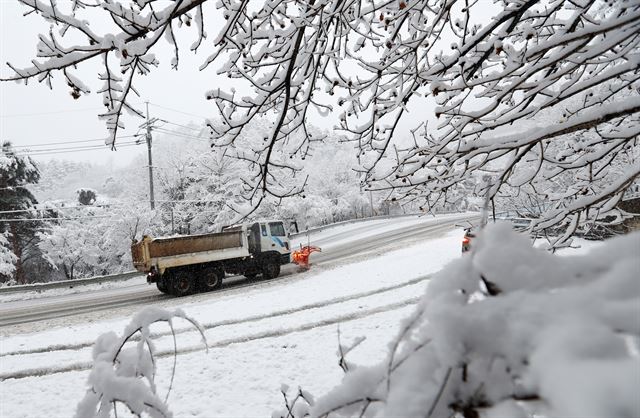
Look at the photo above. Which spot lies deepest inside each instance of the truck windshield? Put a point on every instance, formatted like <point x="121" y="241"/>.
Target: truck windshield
<point x="277" y="229"/>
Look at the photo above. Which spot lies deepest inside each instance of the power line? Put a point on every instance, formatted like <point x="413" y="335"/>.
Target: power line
<point x="80" y="141"/>
<point x="180" y="134"/>
<point x="68" y="142"/>
<point x="54" y="219"/>
<point x="77" y="147"/>
<point x="26" y="153"/>
<point x="179" y="111"/>
<point x="36" y="154"/>
<point x="180" y="201"/>
<point x="107" y="206"/>
<point x="182" y="126"/>
<point x="55" y="112"/>
<point x="37" y="209"/>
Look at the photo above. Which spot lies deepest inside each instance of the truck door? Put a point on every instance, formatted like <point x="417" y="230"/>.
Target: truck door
<point x="278" y="240"/>
<point x="254" y="239"/>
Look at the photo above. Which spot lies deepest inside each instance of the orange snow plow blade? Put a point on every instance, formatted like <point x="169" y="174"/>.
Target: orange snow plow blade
<point x="301" y="256"/>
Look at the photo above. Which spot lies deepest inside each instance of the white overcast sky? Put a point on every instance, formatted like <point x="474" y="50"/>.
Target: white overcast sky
<point x="34" y="114"/>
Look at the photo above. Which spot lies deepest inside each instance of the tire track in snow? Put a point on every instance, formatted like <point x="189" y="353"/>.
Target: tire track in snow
<point x="83" y="366"/>
<point x="345" y="317"/>
<point x="228" y="322"/>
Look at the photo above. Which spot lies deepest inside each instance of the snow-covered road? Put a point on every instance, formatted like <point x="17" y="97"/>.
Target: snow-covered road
<point x="339" y="243"/>
<point x="259" y="336"/>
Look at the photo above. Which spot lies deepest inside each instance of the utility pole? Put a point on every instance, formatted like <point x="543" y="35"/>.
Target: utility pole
<point x="371" y="201"/>
<point x="148" y="136"/>
<point x="485" y="208"/>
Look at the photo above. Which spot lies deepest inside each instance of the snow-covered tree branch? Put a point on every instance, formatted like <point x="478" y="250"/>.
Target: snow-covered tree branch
<point x="126" y="375"/>
<point x="534" y="334"/>
<point x="521" y="90"/>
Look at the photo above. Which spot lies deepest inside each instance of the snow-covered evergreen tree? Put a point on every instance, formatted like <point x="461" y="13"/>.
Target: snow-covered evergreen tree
<point x="20" y="223"/>
<point x="7" y="258"/>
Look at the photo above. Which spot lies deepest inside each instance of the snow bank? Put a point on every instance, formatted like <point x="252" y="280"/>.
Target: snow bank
<point x="510" y="330"/>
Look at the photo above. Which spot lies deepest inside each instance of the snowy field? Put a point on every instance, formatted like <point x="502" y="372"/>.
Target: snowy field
<point x="259" y="337"/>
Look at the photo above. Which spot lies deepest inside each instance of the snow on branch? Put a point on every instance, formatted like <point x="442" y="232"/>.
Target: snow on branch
<point x="560" y="338"/>
<point x="489" y="72"/>
<point x="126" y="375"/>
<point x="137" y="30"/>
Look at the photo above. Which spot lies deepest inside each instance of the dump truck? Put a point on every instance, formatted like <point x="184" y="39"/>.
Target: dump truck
<point x="186" y="264"/>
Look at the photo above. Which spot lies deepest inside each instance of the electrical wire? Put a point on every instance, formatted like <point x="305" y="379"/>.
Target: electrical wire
<point x="55" y="112"/>
<point x="179" y="111"/>
<point x="109" y="206"/>
<point x="79" y="147"/>
<point x="182" y="126"/>
<point x="180" y="134"/>
<point x="54" y="219"/>
<point x="21" y="148"/>
<point x="68" y="142"/>
<point x="37" y="209"/>
<point x="26" y="153"/>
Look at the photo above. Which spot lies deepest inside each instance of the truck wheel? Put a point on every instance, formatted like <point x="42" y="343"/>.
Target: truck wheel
<point x="211" y="279"/>
<point x="182" y="284"/>
<point x="161" y="284"/>
<point x="270" y="269"/>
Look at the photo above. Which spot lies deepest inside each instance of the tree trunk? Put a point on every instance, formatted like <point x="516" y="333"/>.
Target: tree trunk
<point x="17" y="251"/>
<point x="67" y="274"/>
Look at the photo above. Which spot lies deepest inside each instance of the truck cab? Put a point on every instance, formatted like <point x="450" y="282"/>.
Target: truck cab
<point x="269" y="237"/>
<point x="268" y="246"/>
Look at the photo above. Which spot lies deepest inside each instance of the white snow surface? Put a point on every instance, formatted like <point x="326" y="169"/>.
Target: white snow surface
<point x="71" y="289"/>
<point x="567" y="328"/>
<point x="512" y="323"/>
<point x="259" y="337"/>
<point x="324" y="237"/>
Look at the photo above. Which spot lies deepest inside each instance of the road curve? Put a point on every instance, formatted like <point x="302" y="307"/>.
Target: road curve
<point x="357" y="241"/>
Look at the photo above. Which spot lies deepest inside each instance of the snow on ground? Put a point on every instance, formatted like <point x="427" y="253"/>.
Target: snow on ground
<point x="259" y="338"/>
<point x="94" y="287"/>
<point x="340" y="234"/>
<point x="579" y="246"/>
<point x="323" y="236"/>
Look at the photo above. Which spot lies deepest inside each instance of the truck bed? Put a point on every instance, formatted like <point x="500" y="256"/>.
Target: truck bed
<point x="189" y="249"/>
<point x="163" y="247"/>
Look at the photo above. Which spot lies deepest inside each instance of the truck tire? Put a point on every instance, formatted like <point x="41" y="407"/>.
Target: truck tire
<point x="161" y="284"/>
<point x="211" y="279"/>
<point x="182" y="283"/>
<point x="270" y="269"/>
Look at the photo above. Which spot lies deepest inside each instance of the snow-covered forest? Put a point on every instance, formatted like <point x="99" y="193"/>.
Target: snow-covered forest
<point x="328" y="110"/>
<point x="83" y="218"/>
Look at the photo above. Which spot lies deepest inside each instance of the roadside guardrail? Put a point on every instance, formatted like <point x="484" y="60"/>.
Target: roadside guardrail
<point x="38" y="287"/>
<point x="353" y="221"/>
